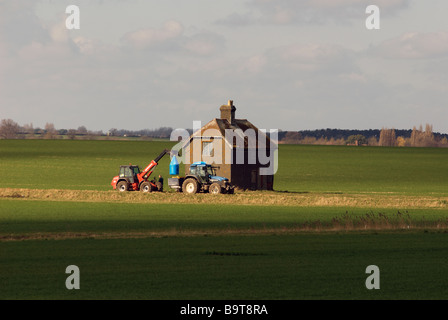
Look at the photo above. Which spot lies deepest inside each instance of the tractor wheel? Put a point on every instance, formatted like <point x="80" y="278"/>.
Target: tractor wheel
<point x="159" y="186"/>
<point x="215" y="188"/>
<point x="146" y="187"/>
<point x="122" y="186"/>
<point x="190" y="186"/>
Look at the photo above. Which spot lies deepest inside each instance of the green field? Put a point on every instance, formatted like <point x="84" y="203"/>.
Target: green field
<point x="90" y="165"/>
<point x="61" y="164"/>
<point x="335" y="210"/>
<point x="52" y="218"/>
<point x="351" y="169"/>
<point x="302" y="266"/>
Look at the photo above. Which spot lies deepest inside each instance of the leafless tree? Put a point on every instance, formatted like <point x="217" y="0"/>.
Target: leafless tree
<point x="420" y="138"/>
<point x="9" y="129"/>
<point x="387" y="138"/>
<point x="50" y="131"/>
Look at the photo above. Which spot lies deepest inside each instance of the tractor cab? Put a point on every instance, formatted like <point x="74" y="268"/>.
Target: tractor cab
<point x="130" y="173"/>
<point x="202" y="171"/>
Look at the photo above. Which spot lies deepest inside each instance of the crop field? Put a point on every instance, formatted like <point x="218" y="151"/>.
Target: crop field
<point x="335" y="210"/>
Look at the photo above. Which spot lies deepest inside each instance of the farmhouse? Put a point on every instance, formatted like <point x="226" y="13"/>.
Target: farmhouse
<point x="236" y="148"/>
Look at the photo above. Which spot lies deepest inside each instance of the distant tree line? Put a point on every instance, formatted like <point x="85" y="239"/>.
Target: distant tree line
<point x="417" y="137"/>
<point x="9" y="129"/>
<point x="161" y="133"/>
<point x="372" y="137"/>
<point x="332" y="133"/>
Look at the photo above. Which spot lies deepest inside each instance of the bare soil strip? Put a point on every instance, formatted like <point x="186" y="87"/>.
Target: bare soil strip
<point x="312" y="227"/>
<point x="264" y="198"/>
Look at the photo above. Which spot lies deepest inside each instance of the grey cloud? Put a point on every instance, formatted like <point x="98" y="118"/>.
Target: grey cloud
<point x="282" y="12"/>
<point x="237" y="19"/>
<point x="205" y="44"/>
<point x="87" y="79"/>
<point x="153" y="37"/>
<point x="414" y="46"/>
<point x="171" y="39"/>
<point x="313" y="57"/>
<point x="19" y="25"/>
<point x="180" y="75"/>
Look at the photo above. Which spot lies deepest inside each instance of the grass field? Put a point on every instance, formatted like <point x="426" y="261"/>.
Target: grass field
<point x="90" y="165"/>
<point x="335" y="211"/>
<point x="353" y="169"/>
<point x="72" y="219"/>
<point x="301" y="266"/>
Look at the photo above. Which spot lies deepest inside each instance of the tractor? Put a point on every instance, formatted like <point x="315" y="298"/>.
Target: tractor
<point x="201" y="178"/>
<point x="131" y="178"/>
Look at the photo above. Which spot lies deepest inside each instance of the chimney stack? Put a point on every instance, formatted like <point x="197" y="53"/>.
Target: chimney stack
<point x="228" y="112"/>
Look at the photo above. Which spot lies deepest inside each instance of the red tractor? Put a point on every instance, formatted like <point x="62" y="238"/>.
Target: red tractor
<point x="131" y="179"/>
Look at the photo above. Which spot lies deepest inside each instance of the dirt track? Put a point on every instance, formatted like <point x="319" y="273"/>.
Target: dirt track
<point x="270" y="198"/>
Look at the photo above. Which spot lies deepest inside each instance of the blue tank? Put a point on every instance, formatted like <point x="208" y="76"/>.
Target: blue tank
<point x="174" y="166"/>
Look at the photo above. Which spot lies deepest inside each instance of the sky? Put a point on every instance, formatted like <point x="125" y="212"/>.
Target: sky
<point x="286" y="64"/>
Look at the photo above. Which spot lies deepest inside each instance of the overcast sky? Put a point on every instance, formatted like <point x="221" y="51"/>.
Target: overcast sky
<point x="287" y="64"/>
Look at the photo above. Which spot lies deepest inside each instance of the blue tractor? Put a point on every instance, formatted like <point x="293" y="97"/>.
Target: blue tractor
<point x="201" y="178"/>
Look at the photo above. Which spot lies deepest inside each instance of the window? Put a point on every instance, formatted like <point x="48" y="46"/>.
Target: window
<point x="207" y="148"/>
<point x="201" y="171"/>
<point x="128" y="172"/>
<point x="211" y="171"/>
